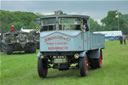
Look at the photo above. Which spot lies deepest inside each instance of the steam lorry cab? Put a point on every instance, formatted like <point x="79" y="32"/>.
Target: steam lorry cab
<point x="66" y="40"/>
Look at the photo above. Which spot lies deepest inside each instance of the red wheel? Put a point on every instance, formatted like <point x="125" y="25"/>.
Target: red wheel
<point x="100" y="60"/>
<point x="96" y="62"/>
<point x="83" y="65"/>
<point x="86" y="65"/>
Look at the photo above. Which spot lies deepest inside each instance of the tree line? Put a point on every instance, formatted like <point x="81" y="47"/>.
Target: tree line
<point x="26" y="20"/>
<point x="113" y="21"/>
<point x="18" y="19"/>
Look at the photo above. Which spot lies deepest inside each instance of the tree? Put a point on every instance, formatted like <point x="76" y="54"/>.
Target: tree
<point x="94" y="26"/>
<point x="18" y="19"/>
<point x="124" y="23"/>
<point x="110" y="22"/>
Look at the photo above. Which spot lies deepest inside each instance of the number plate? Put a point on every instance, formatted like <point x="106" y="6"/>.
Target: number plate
<point x="64" y="60"/>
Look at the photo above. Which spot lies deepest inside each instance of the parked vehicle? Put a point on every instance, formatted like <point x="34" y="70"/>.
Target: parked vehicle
<point x="0" y="42"/>
<point x="18" y="41"/>
<point x="35" y="33"/>
<point x="66" y="40"/>
<point x="36" y="37"/>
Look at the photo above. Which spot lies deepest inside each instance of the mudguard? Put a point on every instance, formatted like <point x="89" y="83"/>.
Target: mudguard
<point x="83" y="54"/>
<point x="95" y="53"/>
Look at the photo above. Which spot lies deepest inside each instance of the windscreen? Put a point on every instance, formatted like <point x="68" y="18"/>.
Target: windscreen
<point x="48" y="21"/>
<point x="69" y="23"/>
<point x="48" y="24"/>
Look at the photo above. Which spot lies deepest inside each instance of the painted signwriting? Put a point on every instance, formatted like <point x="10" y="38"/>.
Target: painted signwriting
<point x="59" y="43"/>
<point x="57" y="48"/>
<point x="57" y="37"/>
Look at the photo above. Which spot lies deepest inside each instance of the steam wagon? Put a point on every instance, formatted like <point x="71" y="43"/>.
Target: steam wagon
<point x="67" y="40"/>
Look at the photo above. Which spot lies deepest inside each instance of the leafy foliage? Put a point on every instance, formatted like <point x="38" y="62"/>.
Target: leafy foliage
<point x="94" y="26"/>
<point x="26" y="20"/>
<point x="111" y="22"/>
<point x="18" y="19"/>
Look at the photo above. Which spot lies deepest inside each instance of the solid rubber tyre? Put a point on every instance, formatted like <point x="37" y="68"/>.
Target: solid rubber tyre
<point x="99" y="61"/>
<point x="7" y="49"/>
<point x="83" y="66"/>
<point x="96" y="63"/>
<point x="33" y="49"/>
<point x="42" y="67"/>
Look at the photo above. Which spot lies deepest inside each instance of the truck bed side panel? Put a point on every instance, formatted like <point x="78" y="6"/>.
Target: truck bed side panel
<point x="93" y="41"/>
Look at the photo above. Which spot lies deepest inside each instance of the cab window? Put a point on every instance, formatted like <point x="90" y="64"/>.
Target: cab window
<point x="69" y="23"/>
<point x="48" y="24"/>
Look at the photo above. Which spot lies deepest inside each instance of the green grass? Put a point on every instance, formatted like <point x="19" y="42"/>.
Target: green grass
<point x="21" y="69"/>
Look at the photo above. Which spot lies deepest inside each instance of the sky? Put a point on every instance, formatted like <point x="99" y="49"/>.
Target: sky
<point x="63" y="0"/>
<point x="95" y="9"/>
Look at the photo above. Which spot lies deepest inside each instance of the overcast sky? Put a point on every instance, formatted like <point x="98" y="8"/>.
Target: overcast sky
<point x="63" y="0"/>
<point x="95" y="9"/>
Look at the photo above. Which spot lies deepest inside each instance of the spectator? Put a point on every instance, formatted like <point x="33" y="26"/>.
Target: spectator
<point x="124" y="39"/>
<point x="121" y="40"/>
<point x="12" y="28"/>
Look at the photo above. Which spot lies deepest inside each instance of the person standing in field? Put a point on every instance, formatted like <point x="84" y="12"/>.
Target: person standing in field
<point x="124" y="39"/>
<point x="121" y="40"/>
<point x="12" y="28"/>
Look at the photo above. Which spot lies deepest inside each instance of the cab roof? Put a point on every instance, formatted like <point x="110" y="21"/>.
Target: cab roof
<point x="65" y="16"/>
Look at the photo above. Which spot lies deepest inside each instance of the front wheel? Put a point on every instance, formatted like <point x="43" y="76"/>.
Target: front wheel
<point x="83" y="66"/>
<point x="42" y="67"/>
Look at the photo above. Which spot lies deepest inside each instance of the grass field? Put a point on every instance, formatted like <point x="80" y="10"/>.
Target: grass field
<point x="21" y="69"/>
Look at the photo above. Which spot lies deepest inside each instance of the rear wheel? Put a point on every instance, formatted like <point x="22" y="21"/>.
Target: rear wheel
<point x="7" y="49"/>
<point x="33" y="48"/>
<point x="0" y="46"/>
<point x="83" y="66"/>
<point x="99" y="62"/>
<point x="42" y="67"/>
<point x="96" y="63"/>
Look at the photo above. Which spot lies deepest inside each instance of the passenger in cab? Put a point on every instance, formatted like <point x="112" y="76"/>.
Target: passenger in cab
<point x="86" y="24"/>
